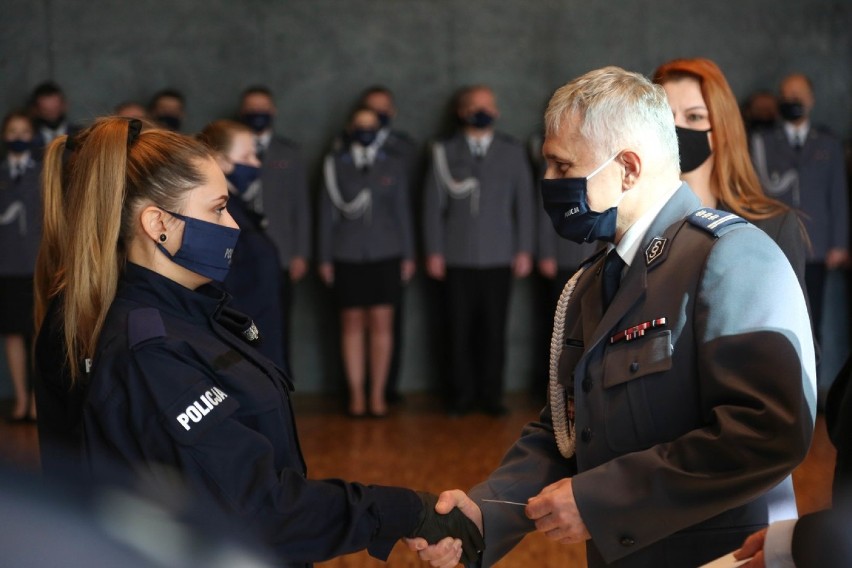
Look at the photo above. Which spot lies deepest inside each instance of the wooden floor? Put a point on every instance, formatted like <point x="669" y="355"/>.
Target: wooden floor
<point x="418" y="446"/>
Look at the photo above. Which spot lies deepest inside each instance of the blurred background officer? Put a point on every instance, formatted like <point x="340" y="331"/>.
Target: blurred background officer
<point x="168" y="109"/>
<point x="131" y="109"/>
<point x="393" y="141"/>
<point x="478" y="226"/>
<point x="280" y="196"/>
<point x="366" y="251"/>
<point x="803" y="165"/>
<point x="49" y="111"/>
<point x="20" y="235"/>
<point x="254" y="280"/>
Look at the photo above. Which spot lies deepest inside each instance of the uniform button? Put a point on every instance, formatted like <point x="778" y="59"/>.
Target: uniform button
<point x="634" y="366"/>
<point x="586" y="436"/>
<point x="627" y="541"/>
<point x="587" y="385"/>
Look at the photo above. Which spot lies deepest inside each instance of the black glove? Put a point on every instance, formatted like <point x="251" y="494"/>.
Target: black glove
<point x="433" y="527"/>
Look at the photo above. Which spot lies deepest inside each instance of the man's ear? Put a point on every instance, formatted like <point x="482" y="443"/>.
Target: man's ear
<point x="154" y="222"/>
<point x="632" y="168"/>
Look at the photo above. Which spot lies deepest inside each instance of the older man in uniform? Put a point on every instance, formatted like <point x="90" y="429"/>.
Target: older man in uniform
<point x="682" y="389"/>
<point x="478" y="226"/>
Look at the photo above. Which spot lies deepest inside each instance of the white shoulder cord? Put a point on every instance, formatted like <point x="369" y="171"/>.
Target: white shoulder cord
<point x="352" y="209"/>
<point x="562" y="417"/>
<point x="773" y="185"/>
<point x="16" y="211"/>
<point x="468" y="187"/>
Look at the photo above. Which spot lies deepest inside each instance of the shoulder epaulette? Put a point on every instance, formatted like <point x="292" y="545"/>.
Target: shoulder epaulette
<point x="714" y="221"/>
<point x="144" y="324"/>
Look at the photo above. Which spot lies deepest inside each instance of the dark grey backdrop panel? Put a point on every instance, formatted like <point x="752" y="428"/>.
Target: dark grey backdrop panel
<point x="317" y="55"/>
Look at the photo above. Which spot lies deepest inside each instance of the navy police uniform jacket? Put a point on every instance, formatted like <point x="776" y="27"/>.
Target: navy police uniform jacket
<point x="174" y="387"/>
<point x="254" y="278"/>
<point x="686" y="432"/>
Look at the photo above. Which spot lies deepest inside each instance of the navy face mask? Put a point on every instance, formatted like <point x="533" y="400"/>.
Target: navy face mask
<point x="364" y="136"/>
<point x="206" y="249"/>
<point x="242" y="176"/>
<point x="694" y="148"/>
<point x="791" y="110"/>
<point x="257" y="121"/>
<point x="567" y="204"/>
<point x="169" y="121"/>
<point x="384" y="119"/>
<point x="18" y="146"/>
<point x="480" y="119"/>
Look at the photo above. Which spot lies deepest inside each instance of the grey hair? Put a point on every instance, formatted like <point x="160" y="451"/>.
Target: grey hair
<point x="617" y="109"/>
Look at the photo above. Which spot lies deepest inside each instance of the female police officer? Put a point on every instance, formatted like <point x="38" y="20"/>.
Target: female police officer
<point x="174" y="382"/>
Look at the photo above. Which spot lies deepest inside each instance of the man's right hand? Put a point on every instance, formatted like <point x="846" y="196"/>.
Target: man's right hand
<point x="447" y="553"/>
<point x="435" y="266"/>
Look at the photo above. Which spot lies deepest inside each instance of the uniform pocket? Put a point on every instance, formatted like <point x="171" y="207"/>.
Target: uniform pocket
<point x="627" y="368"/>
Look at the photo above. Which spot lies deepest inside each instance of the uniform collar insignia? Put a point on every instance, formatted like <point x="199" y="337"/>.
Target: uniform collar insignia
<point x="655" y="249"/>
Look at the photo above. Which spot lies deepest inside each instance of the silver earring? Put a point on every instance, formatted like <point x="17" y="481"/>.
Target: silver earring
<point x="163" y="237"/>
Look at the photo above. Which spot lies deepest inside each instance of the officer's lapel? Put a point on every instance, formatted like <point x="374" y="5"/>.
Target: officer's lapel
<point x="591" y="302"/>
<point x="631" y="290"/>
<point x="634" y="283"/>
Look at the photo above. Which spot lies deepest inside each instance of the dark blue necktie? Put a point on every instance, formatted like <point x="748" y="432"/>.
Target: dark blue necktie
<point x="611" y="277"/>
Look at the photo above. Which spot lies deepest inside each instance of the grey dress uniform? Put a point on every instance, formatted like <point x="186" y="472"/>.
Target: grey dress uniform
<point x="478" y="234"/>
<point x="379" y="231"/>
<point x="811" y="179"/>
<point x="685" y="435"/>
<point x="284" y="200"/>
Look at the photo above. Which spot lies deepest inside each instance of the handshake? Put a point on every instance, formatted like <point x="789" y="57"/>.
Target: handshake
<point x="453" y="524"/>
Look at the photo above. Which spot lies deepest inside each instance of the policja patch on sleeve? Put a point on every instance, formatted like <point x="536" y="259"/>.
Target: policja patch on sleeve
<point x="197" y="410"/>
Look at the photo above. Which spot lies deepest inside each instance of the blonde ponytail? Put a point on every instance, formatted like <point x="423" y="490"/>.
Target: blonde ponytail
<point x="49" y="271"/>
<point x="96" y="191"/>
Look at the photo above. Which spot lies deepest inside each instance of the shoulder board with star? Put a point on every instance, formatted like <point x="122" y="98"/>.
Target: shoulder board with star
<point x="714" y="221"/>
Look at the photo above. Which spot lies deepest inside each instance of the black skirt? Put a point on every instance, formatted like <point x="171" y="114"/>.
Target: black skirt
<point x="16" y="305"/>
<point x="364" y="284"/>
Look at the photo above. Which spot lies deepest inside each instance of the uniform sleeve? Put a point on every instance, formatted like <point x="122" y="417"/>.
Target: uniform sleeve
<point x="403" y="212"/>
<point x="791" y="241"/>
<point x="325" y="225"/>
<point x="227" y="462"/>
<point x="839" y="197"/>
<point x="301" y="220"/>
<point x="756" y="374"/>
<point x="434" y="201"/>
<point x="532" y="463"/>
<point x="524" y="205"/>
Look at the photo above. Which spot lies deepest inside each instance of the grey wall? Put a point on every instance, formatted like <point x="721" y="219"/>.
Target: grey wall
<point x="317" y="54"/>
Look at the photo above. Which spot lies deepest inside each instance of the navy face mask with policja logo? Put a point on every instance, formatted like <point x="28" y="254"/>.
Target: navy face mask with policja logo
<point x="567" y="204"/>
<point x="206" y="248"/>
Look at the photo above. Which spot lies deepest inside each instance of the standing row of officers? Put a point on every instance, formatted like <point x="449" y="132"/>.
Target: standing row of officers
<point x="480" y="224"/>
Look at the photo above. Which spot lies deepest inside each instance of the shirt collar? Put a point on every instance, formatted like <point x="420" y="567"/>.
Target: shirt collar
<point x="629" y="244"/>
<point x="483" y="141"/>
<point x="363" y="156"/>
<point x="794" y="132"/>
<point x="264" y="138"/>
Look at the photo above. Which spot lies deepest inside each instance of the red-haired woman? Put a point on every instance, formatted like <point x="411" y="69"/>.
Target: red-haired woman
<point x="714" y="157"/>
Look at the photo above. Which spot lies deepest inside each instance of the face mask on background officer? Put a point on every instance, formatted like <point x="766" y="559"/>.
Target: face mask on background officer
<point x="478" y="110"/>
